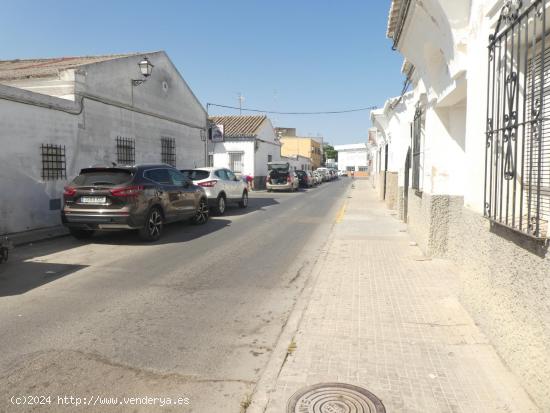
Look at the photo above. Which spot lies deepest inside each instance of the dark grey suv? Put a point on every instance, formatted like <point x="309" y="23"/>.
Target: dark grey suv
<point x="142" y="197"/>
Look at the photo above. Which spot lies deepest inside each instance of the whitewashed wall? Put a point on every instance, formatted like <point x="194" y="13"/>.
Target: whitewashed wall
<point x="90" y="137"/>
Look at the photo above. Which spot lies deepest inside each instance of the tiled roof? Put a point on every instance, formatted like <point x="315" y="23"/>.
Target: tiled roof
<point x="239" y="126"/>
<point x="393" y="17"/>
<point x="39" y="68"/>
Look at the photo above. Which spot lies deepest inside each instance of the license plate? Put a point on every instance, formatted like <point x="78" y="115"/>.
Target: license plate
<point x="93" y="200"/>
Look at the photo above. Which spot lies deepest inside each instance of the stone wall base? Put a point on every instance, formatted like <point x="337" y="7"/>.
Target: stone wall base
<point x="428" y="220"/>
<point x="380" y="185"/>
<point x="506" y="288"/>
<point x="505" y="283"/>
<point x="401" y="203"/>
<point x="391" y="190"/>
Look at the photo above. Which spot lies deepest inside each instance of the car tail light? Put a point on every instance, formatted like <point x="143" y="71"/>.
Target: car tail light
<point x="208" y="184"/>
<point x="268" y="180"/>
<point x="288" y="179"/>
<point x="69" y="191"/>
<point x="127" y="191"/>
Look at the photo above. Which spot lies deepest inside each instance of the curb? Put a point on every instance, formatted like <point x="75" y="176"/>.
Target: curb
<point x="261" y="395"/>
<point x="268" y="380"/>
<point x="38" y="235"/>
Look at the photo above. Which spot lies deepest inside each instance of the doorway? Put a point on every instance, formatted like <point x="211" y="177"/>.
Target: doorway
<point x="406" y="185"/>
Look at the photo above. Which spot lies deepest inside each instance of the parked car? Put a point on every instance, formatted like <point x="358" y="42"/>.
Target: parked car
<point x="305" y="179"/>
<point x="324" y="173"/>
<point x="317" y="177"/>
<point x="280" y="177"/>
<point x="142" y="197"/>
<point x="221" y="186"/>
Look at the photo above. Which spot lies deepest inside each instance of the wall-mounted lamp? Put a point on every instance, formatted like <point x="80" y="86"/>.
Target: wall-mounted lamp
<point x="146" y="68"/>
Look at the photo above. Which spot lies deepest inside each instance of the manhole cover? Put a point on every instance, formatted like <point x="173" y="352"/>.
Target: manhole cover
<point x="334" y="398"/>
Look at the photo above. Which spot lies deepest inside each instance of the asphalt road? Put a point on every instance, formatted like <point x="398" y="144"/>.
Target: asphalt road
<point x="195" y="315"/>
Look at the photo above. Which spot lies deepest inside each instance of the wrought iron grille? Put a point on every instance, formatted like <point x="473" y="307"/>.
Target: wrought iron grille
<point x="168" y="150"/>
<point x="517" y="154"/>
<point x="125" y="151"/>
<point x="236" y="161"/>
<point x="54" y="165"/>
<point x="417" y="148"/>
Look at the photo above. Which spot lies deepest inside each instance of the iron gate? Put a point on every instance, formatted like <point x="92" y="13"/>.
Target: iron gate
<point x="517" y="154"/>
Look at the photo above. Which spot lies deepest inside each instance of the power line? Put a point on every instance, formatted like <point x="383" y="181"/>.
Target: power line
<point x="332" y="112"/>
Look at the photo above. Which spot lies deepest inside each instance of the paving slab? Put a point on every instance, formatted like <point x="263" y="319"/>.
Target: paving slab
<point x="382" y="316"/>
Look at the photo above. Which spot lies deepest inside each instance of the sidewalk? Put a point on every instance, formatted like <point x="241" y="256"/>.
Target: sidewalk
<point x="383" y="317"/>
<point x="41" y="234"/>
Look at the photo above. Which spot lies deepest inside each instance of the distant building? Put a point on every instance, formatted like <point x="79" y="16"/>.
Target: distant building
<point x="280" y="131"/>
<point x="353" y="157"/>
<point x="298" y="162"/>
<point x="60" y="115"/>
<point x="249" y="144"/>
<point x="298" y="145"/>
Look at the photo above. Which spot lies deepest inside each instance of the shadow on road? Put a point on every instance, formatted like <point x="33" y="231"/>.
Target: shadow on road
<point x="19" y="277"/>
<point x="254" y="204"/>
<point x="25" y="270"/>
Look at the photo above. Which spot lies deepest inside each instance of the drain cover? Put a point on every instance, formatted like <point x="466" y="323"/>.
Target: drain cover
<point x="334" y="398"/>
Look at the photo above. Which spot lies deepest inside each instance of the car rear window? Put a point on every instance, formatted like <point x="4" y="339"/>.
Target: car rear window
<point x="196" y="174"/>
<point x="91" y="177"/>
<point x="300" y="173"/>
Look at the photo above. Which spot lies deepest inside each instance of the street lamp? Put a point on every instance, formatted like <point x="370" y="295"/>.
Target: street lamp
<point x="146" y="68"/>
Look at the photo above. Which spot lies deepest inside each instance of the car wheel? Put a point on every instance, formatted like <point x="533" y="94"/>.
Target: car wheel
<point x="243" y="203"/>
<point x="201" y="216"/>
<point x="152" y="228"/>
<point x="220" y="205"/>
<point x="81" y="233"/>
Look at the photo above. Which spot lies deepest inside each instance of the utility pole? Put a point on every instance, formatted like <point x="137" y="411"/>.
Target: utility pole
<point x="241" y="100"/>
<point x="206" y="135"/>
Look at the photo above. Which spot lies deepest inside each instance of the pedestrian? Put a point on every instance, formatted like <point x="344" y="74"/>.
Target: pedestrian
<point x="250" y="182"/>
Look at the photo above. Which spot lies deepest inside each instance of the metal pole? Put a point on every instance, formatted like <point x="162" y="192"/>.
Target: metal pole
<point x="206" y="136"/>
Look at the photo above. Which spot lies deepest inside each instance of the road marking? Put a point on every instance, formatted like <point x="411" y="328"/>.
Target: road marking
<point x="341" y="213"/>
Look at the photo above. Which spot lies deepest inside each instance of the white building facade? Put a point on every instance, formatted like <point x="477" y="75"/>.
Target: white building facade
<point x="297" y="162"/>
<point x="249" y="144"/>
<point x="88" y="113"/>
<point x="467" y="162"/>
<point x="353" y="157"/>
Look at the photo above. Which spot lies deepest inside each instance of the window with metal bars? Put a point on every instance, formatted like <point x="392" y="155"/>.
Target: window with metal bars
<point x="54" y="165"/>
<point x="417" y="132"/>
<point x="168" y="150"/>
<point x="517" y="144"/>
<point x="236" y="161"/>
<point x="125" y="151"/>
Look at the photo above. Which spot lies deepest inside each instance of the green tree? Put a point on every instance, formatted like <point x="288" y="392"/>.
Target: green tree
<point x="329" y="153"/>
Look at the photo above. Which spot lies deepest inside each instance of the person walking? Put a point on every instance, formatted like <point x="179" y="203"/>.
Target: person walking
<point x="250" y="182"/>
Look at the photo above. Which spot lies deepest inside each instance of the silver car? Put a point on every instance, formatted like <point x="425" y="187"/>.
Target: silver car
<point x="280" y="178"/>
<point x="221" y="186"/>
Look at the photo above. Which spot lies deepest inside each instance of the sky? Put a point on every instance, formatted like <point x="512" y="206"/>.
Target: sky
<point x="281" y="55"/>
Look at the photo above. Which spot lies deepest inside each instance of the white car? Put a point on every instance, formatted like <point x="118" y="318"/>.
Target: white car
<point x="318" y="178"/>
<point x="221" y="186"/>
<point x="324" y="173"/>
